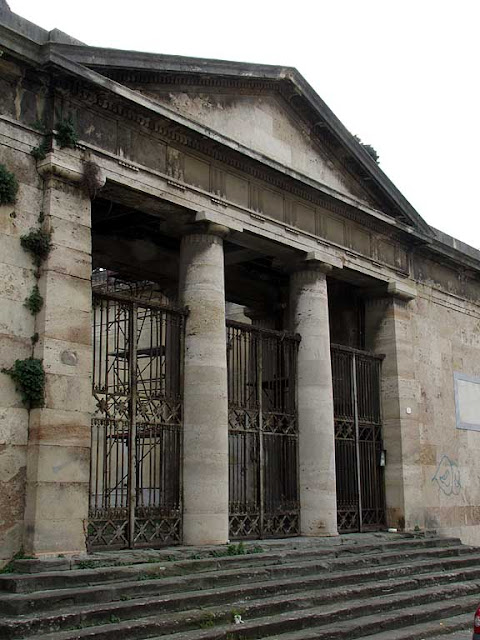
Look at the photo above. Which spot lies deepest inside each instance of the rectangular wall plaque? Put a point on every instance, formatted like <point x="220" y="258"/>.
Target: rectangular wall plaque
<point x="467" y="401"/>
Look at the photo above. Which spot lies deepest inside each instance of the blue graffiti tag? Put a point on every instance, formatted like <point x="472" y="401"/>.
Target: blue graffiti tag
<point x="447" y="476"/>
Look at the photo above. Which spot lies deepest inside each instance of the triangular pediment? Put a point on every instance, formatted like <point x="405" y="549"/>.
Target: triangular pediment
<point x="270" y="112"/>
<point x="261" y="121"/>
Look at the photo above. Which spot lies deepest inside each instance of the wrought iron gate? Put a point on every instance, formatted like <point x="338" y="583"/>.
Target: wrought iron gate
<point x="358" y="439"/>
<point x="263" y="432"/>
<point x="135" y="490"/>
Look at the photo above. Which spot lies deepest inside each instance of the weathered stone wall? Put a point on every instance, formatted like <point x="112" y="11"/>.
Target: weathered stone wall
<point x="16" y="329"/>
<point x="445" y="333"/>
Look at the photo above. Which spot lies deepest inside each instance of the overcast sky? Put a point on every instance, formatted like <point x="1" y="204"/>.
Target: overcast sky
<point x="402" y="75"/>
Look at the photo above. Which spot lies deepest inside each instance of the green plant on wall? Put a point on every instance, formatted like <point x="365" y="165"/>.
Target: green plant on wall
<point x="66" y="135"/>
<point x="34" y="302"/>
<point x="40" y="126"/>
<point x="8" y="186"/>
<point x="29" y="378"/>
<point x="37" y="242"/>
<point x="28" y="374"/>
<point x="40" y="152"/>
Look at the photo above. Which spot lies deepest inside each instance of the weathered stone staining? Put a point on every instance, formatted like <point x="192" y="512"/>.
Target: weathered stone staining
<point x="205" y="417"/>
<point x="204" y="185"/>
<point x="309" y="307"/>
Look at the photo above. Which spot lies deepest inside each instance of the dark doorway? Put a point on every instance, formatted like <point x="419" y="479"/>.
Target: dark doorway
<point x="263" y="432"/>
<point x="359" y="456"/>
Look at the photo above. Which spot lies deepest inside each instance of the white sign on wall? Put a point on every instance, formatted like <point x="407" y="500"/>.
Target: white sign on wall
<point x="467" y="401"/>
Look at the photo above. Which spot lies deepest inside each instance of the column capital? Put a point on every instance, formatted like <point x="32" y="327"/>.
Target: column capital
<point x="318" y="261"/>
<point x="202" y="236"/>
<point x="401" y="290"/>
<point x="394" y="290"/>
<point x="214" y="223"/>
<point x="62" y="167"/>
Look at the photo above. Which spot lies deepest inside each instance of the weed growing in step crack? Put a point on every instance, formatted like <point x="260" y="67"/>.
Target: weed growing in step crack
<point x="85" y="564"/>
<point x="208" y="620"/>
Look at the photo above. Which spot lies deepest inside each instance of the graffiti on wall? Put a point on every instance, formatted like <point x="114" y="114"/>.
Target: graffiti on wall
<point x="447" y="476"/>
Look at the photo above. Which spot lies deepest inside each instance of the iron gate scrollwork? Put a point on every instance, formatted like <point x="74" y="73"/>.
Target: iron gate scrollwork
<point x="135" y="496"/>
<point x="358" y="439"/>
<point x="263" y="432"/>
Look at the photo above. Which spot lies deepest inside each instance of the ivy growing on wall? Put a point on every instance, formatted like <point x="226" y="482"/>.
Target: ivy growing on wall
<point x="8" y="186"/>
<point x="34" y="302"/>
<point x="29" y="374"/>
<point x="38" y="243"/>
<point x="29" y="378"/>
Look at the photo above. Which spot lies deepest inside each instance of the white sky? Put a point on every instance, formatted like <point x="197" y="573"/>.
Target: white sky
<point x="404" y="75"/>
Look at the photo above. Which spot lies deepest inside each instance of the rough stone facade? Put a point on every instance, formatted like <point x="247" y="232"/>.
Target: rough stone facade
<point x="219" y="182"/>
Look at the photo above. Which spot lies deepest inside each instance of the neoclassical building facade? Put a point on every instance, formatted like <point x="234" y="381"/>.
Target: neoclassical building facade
<point x="219" y="319"/>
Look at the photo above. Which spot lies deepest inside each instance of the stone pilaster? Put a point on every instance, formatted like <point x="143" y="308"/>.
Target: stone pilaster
<point x="58" y="456"/>
<point x="388" y="331"/>
<point x="309" y="308"/>
<point x="205" y="408"/>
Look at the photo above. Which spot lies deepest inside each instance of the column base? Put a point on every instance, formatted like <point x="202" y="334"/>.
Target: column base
<point x="205" y="529"/>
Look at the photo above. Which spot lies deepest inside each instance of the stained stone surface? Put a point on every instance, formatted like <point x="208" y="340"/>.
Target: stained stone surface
<point x="309" y="303"/>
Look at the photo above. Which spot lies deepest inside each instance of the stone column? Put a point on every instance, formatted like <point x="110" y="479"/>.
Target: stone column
<point x="58" y="452"/>
<point x="388" y="331"/>
<point x="205" y="405"/>
<point x="309" y="308"/>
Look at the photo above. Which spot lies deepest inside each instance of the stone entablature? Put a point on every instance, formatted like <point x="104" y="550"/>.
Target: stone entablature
<point x="419" y="264"/>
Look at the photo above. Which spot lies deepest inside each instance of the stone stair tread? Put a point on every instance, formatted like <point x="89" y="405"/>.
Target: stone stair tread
<point x="435" y="629"/>
<point x="118" y="574"/>
<point x="362" y="627"/>
<point x="177" y="554"/>
<point x="179" y="583"/>
<point x="179" y="579"/>
<point x="240" y="595"/>
<point x="302" y="606"/>
<point x="247" y="558"/>
<point x="183" y="554"/>
<point x="334" y="591"/>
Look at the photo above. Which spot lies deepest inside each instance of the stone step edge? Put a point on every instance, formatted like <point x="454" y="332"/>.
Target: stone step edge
<point x="178" y="554"/>
<point x="420" y="631"/>
<point x="338" y="631"/>
<point x="430" y="629"/>
<point x="11" y="582"/>
<point x="450" y="565"/>
<point x="330" y="613"/>
<point x="334" y="551"/>
<point x="138" y="606"/>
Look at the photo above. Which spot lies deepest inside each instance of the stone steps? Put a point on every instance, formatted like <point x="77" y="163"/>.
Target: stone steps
<point x="250" y="599"/>
<point x="450" y="570"/>
<point x="313" y="590"/>
<point x="315" y="623"/>
<point x="454" y="628"/>
<point x="295" y="547"/>
<point x="291" y="575"/>
<point x="416" y="623"/>
<point x="274" y="563"/>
